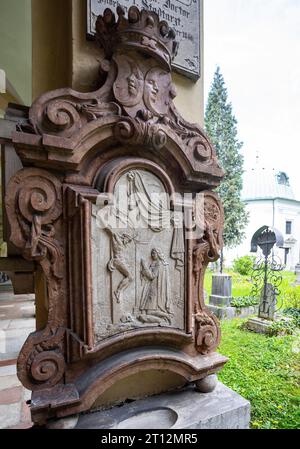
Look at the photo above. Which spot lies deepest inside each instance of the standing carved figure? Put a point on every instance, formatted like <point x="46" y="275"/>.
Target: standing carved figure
<point x="119" y="243"/>
<point x="156" y="295"/>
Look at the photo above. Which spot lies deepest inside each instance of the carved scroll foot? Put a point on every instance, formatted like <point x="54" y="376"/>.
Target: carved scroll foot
<point x="207" y="384"/>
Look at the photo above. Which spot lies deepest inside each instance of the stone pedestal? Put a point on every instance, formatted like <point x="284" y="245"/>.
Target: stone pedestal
<point x="261" y="325"/>
<point x="228" y="313"/>
<point x="221" y="293"/>
<point x="258" y="325"/>
<point x="185" y="409"/>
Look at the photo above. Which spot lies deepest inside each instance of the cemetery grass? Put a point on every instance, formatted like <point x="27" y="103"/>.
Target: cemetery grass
<point x="241" y="285"/>
<point x="264" y="370"/>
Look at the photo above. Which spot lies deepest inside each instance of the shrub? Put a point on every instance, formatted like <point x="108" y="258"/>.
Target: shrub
<point x="243" y="265"/>
<point x="282" y="327"/>
<point x="291" y="297"/>
<point x="244" y="301"/>
<point x="294" y="313"/>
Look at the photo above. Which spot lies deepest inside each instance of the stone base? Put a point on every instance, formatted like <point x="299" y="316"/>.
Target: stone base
<point x="6" y="287"/>
<point x="258" y="325"/>
<point x="227" y="313"/>
<point x="184" y="409"/>
<point x="220" y="301"/>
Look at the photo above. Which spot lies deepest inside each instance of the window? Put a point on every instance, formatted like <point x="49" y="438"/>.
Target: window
<point x="286" y="253"/>
<point x="282" y="178"/>
<point x="288" y="227"/>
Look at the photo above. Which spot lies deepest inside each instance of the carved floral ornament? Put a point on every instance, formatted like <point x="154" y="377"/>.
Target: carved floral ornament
<point x="146" y="284"/>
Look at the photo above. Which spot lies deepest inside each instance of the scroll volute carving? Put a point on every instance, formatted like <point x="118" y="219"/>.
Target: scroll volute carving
<point x="34" y="206"/>
<point x="207" y="249"/>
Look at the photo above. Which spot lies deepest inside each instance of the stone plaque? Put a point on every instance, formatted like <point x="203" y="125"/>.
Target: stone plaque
<point x="138" y="254"/>
<point x="182" y="15"/>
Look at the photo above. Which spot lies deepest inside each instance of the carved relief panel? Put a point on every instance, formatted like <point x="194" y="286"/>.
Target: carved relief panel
<point x="138" y="255"/>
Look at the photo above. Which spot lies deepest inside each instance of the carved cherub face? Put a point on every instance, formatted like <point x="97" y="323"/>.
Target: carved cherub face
<point x="158" y="90"/>
<point x="128" y="87"/>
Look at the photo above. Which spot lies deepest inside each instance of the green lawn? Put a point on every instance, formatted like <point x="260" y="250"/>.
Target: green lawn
<point x="265" y="370"/>
<point x="241" y="285"/>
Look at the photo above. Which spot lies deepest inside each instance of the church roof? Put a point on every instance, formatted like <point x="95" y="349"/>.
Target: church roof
<point x="265" y="183"/>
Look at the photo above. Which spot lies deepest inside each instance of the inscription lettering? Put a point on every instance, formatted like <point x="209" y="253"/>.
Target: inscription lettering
<point x="182" y="15"/>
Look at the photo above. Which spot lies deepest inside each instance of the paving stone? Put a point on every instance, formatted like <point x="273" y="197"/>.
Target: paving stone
<point x="27" y="394"/>
<point x="25" y="413"/>
<point x="10" y="415"/>
<point x="4" y="324"/>
<point x="22" y="425"/>
<point x="24" y="323"/>
<point x="9" y="382"/>
<point x="7" y="370"/>
<point x="11" y="395"/>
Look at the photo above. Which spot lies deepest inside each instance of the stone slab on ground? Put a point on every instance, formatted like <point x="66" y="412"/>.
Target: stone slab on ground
<point x="258" y="325"/>
<point x="228" y="313"/>
<point x="184" y="409"/>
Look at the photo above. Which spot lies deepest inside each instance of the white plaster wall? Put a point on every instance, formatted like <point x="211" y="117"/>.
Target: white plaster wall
<point x="270" y="213"/>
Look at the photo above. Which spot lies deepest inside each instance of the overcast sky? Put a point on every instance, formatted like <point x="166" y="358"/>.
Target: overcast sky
<point x="256" y="43"/>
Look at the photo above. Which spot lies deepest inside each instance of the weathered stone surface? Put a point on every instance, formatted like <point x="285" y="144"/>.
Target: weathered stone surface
<point x="268" y="300"/>
<point x="10" y="414"/>
<point x="138" y="272"/>
<point x="221" y="293"/>
<point x="183" y="16"/>
<point x="259" y="325"/>
<point x="207" y="384"/>
<point x="185" y="409"/>
<point x="227" y="313"/>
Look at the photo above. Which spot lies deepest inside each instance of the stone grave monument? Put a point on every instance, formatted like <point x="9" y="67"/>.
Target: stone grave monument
<point x="297" y="273"/>
<point x="220" y="299"/>
<point x="99" y="207"/>
<point x="266" y="277"/>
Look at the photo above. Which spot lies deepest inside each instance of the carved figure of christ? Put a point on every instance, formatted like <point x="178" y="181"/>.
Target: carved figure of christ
<point x="119" y="242"/>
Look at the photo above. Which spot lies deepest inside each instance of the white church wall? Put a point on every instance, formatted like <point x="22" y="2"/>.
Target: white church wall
<point x="270" y="213"/>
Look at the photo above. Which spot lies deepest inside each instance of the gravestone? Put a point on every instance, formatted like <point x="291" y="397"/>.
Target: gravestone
<point x="297" y="273"/>
<point x="266" y="277"/>
<point x="221" y="292"/>
<point x="220" y="300"/>
<point x="267" y="303"/>
<point x="115" y="206"/>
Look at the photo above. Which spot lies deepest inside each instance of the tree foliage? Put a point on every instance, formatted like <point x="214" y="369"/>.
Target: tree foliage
<point x="221" y="127"/>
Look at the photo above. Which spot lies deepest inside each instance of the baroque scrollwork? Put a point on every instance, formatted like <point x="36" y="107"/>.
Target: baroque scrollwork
<point x="41" y="363"/>
<point x="137" y="131"/>
<point x="207" y="332"/>
<point x="34" y="204"/>
<point x="207" y="250"/>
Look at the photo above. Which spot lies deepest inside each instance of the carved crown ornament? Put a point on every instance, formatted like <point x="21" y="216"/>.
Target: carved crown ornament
<point x="131" y="290"/>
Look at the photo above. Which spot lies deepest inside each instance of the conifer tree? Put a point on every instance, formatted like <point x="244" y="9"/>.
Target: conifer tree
<point x="221" y="127"/>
